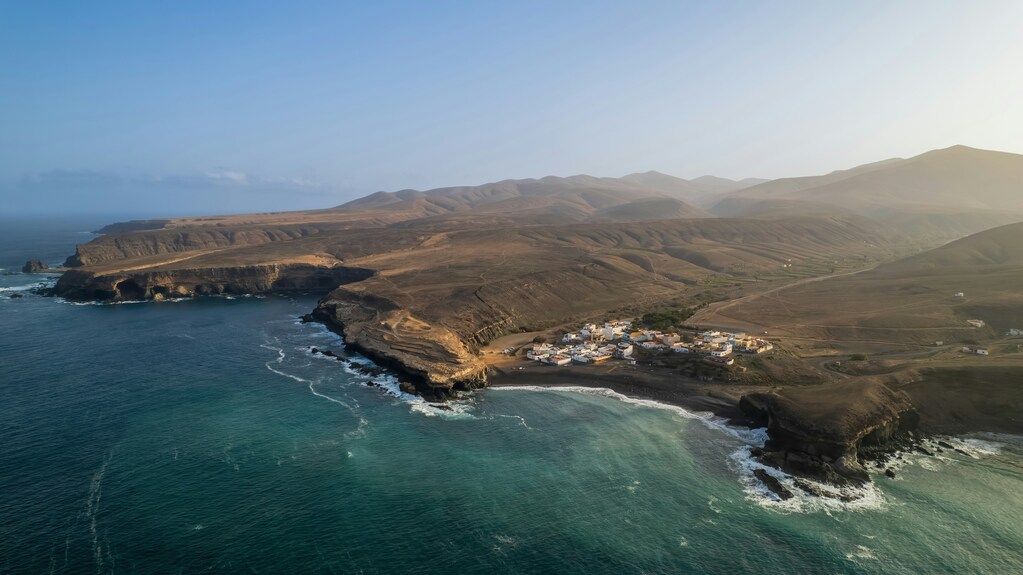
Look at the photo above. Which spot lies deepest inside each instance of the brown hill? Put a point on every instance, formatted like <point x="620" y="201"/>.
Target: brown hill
<point x="909" y="317"/>
<point x="575" y="198"/>
<point x="911" y="301"/>
<point x="957" y="178"/>
<point x="1001" y="246"/>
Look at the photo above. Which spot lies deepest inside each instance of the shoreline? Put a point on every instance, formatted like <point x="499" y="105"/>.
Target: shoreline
<point x="633" y="382"/>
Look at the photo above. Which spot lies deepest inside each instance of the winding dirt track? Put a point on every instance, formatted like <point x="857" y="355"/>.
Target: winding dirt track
<point x="713" y="312"/>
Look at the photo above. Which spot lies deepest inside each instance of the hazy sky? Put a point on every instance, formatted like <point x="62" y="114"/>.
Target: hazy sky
<point x="213" y="106"/>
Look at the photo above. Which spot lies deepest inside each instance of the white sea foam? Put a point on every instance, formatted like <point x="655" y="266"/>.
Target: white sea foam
<point x="522" y="420"/>
<point x="389" y="384"/>
<point x="861" y="552"/>
<point x="867" y="497"/>
<point x="863" y="498"/>
<point x="751" y="436"/>
<point x="309" y="383"/>
<point x="455" y="409"/>
<point x="124" y="302"/>
<point x="941" y="456"/>
<point x="25" y="287"/>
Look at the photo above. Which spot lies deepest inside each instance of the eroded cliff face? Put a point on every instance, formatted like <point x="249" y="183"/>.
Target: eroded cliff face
<point x="80" y="285"/>
<point x="435" y="357"/>
<point x="124" y="246"/>
<point x="825" y="432"/>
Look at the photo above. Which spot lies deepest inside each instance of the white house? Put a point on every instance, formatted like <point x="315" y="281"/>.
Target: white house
<point x="558" y="360"/>
<point x="722" y="350"/>
<point x="540" y="351"/>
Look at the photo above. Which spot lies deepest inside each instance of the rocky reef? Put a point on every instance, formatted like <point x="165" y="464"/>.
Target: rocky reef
<point x="154" y="284"/>
<point x="34" y="267"/>
<point x="827" y="432"/>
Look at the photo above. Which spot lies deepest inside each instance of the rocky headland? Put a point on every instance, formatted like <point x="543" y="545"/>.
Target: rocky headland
<point x="828" y="432"/>
<point x="156" y="284"/>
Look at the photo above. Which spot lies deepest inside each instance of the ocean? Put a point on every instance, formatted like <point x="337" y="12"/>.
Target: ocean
<point x="202" y="436"/>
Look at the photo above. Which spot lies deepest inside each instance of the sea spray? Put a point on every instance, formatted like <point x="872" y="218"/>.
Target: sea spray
<point x="742" y="461"/>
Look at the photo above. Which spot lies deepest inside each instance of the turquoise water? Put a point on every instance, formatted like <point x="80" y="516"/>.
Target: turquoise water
<point x="201" y="436"/>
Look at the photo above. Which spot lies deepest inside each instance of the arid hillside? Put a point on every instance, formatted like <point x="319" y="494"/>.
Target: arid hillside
<point x="575" y="198"/>
<point x="912" y="301"/>
<point x="953" y="180"/>
<point x="914" y="324"/>
<point x="423" y="279"/>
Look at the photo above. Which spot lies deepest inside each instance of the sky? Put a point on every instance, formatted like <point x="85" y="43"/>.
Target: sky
<point x="215" y="107"/>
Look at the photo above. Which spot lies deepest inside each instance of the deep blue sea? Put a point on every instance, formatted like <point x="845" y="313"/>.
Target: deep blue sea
<point x="201" y="436"/>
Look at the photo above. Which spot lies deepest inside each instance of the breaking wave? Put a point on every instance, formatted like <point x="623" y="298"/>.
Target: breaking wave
<point x="755" y="437"/>
<point x="848" y="498"/>
<point x="936" y="452"/>
<point x="867" y="497"/>
<point x="25" y="287"/>
<point x="387" y="384"/>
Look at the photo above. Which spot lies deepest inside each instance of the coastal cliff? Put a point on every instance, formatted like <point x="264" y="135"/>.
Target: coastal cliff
<point x="115" y="247"/>
<point x="155" y="284"/>
<point x="826" y="432"/>
<point x="436" y="359"/>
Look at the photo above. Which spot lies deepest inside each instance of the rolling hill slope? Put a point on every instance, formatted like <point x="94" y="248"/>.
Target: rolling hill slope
<point x="957" y="179"/>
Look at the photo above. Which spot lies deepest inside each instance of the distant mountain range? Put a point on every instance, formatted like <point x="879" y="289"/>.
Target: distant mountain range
<point x="940" y="181"/>
<point x="647" y="195"/>
<point x="959" y="185"/>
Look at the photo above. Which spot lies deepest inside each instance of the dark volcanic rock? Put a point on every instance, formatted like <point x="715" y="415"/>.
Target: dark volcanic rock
<point x="890" y="473"/>
<point x="816" y="491"/>
<point x="155" y="284"/>
<point x="34" y="266"/>
<point x="810" y="488"/>
<point x="827" y="432"/>
<point x="773" y="484"/>
<point x="16" y="295"/>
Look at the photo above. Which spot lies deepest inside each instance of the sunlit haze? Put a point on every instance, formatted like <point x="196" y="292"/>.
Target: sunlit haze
<point x="196" y="107"/>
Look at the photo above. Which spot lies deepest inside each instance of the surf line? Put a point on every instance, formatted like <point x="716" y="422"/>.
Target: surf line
<point x="280" y="359"/>
<point x="755" y="437"/>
